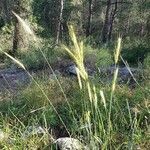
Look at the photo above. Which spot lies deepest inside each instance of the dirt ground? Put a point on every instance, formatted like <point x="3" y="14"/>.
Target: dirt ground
<point x="12" y="79"/>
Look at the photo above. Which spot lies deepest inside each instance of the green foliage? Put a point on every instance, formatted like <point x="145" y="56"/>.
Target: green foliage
<point x="98" y="57"/>
<point x="104" y="58"/>
<point x="48" y="93"/>
<point x="13" y="136"/>
<point x="128" y="106"/>
<point x="137" y="100"/>
<point x="147" y="62"/>
<point x="46" y="13"/>
<point x="44" y="94"/>
<point x="135" y="51"/>
<point x="5" y="40"/>
<point x="39" y="57"/>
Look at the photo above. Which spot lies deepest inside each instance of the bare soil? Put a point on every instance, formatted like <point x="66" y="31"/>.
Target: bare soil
<point x="12" y="79"/>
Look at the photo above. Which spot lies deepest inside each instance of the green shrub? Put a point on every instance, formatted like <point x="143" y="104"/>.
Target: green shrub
<point x="104" y="58"/>
<point x="36" y="58"/>
<point x="147" y="62"/>
<point x="98" y="57"/>
<point x="135" y="51"/>
<point x="37" y="96"/>
<point x="5" y="40"/>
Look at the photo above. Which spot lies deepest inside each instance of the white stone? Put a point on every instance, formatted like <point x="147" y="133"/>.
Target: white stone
<point x="67" y="143"/>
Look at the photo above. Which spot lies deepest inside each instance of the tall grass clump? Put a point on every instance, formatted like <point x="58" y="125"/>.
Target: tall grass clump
<point x="96" y="121"/>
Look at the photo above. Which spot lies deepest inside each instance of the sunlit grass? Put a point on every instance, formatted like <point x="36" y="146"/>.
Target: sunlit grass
<point x="91" y="111"/>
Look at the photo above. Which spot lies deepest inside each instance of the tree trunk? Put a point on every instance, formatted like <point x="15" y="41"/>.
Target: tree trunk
<point x="127" y="27"/>
<point x="112" y="20"/>
<point x="148" y="27"/>
<point x="106" y="23"/>
<point x="88" y="29"/>
<point x="59" y="21"/>
<point x="17" y="35"/>
<point x="142" y="29"/>
<point x="6" y="11"/>
<point x="15" y="38"/>
<point x="16" y="9"/>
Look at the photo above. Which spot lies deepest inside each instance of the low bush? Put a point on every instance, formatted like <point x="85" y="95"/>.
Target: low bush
<point x="135" y="51"/>
<point x="98" y="57"/>
<point x="36" y="58"/>
<point x="5" y="40"/>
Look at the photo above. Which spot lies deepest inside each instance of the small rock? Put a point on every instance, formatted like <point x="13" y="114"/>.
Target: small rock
<point x="33" y="130"/>
<point x="67" y="143"/>
<point x="124" y="73"/>
<point x="72" y="70"/>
